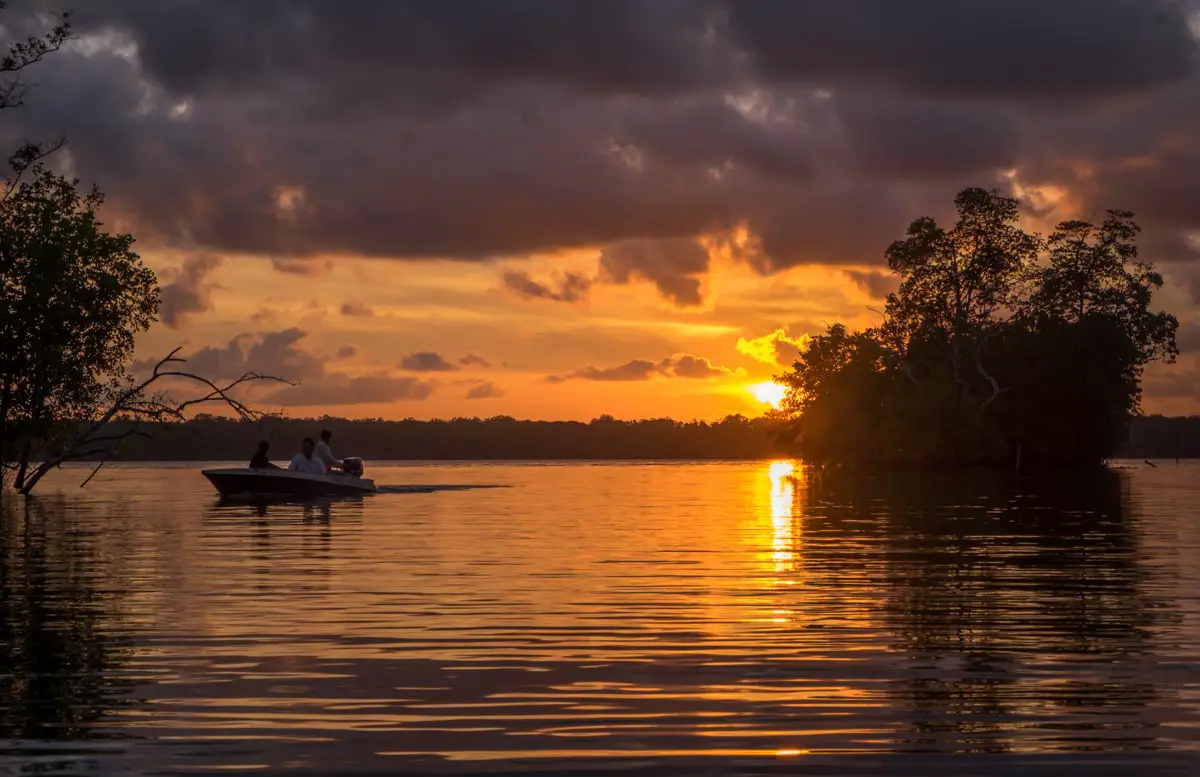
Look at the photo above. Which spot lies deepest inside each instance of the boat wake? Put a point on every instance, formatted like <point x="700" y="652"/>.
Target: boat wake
<point x="430" y="489"/>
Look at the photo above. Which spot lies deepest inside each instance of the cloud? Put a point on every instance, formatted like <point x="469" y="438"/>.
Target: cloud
<point x="878" y="44"/>
<point x="620" y="47"/>
<point x="282" y="354"/>
<point x="777" y="348"/>
<point x="571" y="286"/>
<point x="822" y="127"/>
<point x="692" y="367"/>
<point x="426" y="361"/>
<point x="305" y="267"/>
<point x="680" y="366"/>
<point x="270" y="353"/>
<point x="638" y="369"/>
<point x="1188" y="337"/>
<point x="875" y="284"/>
<point x="485" y="390"/>
<point x="675" y="267"/>
<point x="356" y="309"/>
<point x="474" y="360"/>
<point x="190" y="290"/>
<point x="340" y="389"/>
<point x="927" y="139"/>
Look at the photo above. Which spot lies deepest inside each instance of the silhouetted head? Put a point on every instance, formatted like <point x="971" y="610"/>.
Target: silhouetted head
<point x="325" y="435"/>
<point x="307" y="447"/>
<point x="263" y="446"/>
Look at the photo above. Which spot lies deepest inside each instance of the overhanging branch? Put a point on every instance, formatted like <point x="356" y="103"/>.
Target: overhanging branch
<point x="136" y="404"/>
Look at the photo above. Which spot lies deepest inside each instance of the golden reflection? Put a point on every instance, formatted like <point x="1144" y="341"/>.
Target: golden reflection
<point x="783" y="496"/>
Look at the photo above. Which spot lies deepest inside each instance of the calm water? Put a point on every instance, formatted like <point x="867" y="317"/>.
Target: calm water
<point x="674" y="618"/>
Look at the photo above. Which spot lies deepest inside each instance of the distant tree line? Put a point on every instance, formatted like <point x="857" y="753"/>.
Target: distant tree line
<point x="1160" y="437"/>
<point x="1000" y="348"/>
<point x="215" y="438"/>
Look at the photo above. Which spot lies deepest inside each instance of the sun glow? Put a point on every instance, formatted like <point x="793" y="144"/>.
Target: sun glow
<point x="768" y="393"/>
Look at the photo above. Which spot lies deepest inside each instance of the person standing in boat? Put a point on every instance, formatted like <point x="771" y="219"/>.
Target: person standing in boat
<point x="260" y="460"/>
<point x="325" y="453"/>
<point x="305" y="461"/>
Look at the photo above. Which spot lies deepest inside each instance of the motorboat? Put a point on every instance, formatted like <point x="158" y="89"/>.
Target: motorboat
<point x="244" y="481"/>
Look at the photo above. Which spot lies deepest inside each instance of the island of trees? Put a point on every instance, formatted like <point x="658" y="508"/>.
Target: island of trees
<point x="1000" y="348"/>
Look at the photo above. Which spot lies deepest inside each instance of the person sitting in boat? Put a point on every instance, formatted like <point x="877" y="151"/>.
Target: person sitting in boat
<point x="305" y="461"/>
<point x="325" y="453"/>
<point x="260" y="460"/>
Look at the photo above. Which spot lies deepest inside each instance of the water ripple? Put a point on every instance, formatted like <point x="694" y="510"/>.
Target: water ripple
<point x="691" y="618"/>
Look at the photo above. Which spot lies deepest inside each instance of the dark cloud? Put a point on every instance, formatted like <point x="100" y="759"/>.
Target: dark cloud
<point x="426" y="361"/>
<point x="925" y="139"/>
<point x="638" y="369"/>
<point x="622" y="46"/>
<point x="282" y="355"/>
<point x="529" y="125"/>
<point x="693" y="367"/>
<point x="485" y="390"/>
<point x="569" y="287"/>
<point x="356" y="309"/>
<point x="309" y="267"/>
<point x="875" y="284"/>
<point x="1188" y="337"/>
<point x="270" y="353"/>
<point x="339" y="389"/>
<point x="675" y="267"/>
<point x="346" y="352"/>
<point x="189" y="290"/>
<point x="474" y="360"/>
<point x="681" y="366"/>
<point x="1016" y="49"/>
<point x="1184" y="276"/>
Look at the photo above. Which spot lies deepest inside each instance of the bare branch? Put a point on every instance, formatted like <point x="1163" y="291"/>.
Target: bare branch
<point x="137" y="405"/>
<point x="996" y="390"/>
<point x="94" y="471"/>
<point x="30" y="51"/>
<point x="25" y="158"/>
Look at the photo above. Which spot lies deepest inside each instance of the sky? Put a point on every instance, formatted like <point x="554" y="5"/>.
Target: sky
<point x="558" y="210"/>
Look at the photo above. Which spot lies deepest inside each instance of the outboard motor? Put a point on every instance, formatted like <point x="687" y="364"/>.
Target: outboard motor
<point x="353" y="466"/>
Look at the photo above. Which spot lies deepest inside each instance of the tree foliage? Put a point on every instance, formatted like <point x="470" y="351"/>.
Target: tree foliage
<point x="997" y="345"/>
<point x="72" y="299"/>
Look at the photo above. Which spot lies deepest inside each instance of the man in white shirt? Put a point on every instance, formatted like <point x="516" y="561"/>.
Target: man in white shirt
<point x="325" y="453"/>
<point x="305" y="461"/>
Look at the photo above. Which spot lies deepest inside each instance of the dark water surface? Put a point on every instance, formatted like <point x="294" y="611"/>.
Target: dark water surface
<point x="642" y="619"/>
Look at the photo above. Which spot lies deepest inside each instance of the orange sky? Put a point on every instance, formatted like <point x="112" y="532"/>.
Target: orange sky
<point x="385" y="310"/>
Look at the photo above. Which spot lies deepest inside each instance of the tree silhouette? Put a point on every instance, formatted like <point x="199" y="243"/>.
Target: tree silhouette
<point x="998" y="348"/>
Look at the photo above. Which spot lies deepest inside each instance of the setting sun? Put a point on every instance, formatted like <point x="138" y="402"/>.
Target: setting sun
<point x="769" y="393"/>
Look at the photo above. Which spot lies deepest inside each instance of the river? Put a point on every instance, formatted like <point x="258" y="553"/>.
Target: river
<point x="632" y="618"/>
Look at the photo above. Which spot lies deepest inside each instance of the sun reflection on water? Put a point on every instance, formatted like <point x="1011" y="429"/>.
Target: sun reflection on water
<point x="782" y="519"/>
